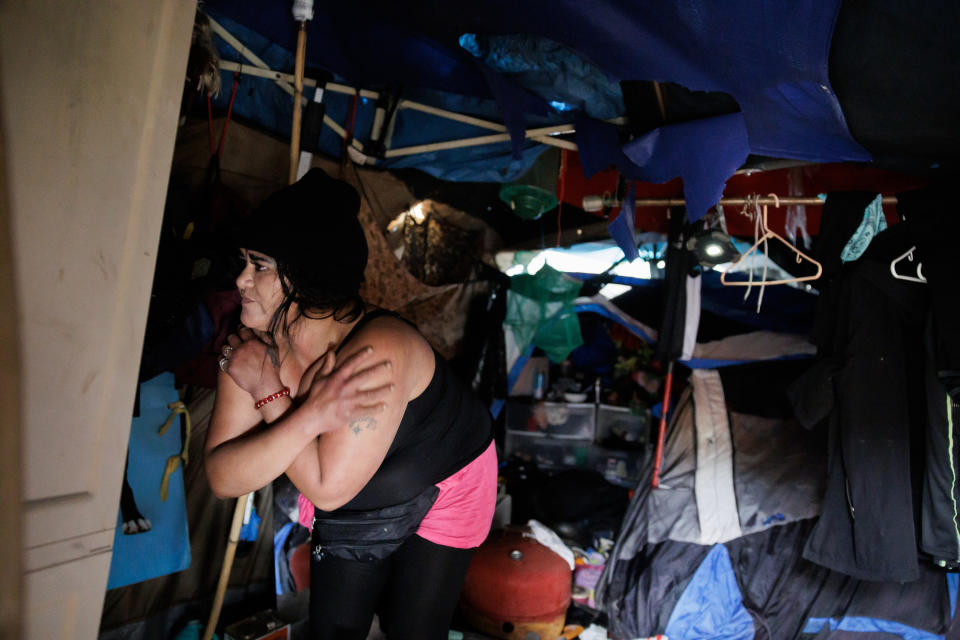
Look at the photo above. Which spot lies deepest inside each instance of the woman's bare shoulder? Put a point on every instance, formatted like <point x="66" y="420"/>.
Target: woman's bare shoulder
<point x="396" y="340"/>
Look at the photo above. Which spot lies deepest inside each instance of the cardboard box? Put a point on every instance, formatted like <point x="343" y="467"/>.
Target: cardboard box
<point x="261" y="626"/>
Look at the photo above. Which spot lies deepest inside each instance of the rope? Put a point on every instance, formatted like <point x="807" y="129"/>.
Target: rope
<point x="218" y="151"/>
<point x="348" y="138"/>
<point x="174" y="461"/>
<point x="751" y="200"/>
<point x="563" y="189"/>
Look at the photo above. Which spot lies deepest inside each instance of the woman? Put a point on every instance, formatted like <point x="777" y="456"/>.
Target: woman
<point x="360" y="412"/>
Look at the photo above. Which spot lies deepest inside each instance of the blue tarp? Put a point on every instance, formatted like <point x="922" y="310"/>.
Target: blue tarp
<point x="772" y="58"/>
<point x="165" y="548"/>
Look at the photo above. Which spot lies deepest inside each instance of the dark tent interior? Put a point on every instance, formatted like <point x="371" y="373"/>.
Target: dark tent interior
<point x="697" y="259"/>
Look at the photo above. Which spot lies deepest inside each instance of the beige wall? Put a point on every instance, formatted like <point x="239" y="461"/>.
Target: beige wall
<point x="89" y="94"/>
<point x="9" y="428"/>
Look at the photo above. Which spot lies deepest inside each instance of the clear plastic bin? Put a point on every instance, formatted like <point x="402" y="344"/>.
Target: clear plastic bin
<point x="618" y="466"/>
<point x="556" y="419"/>
<point x="621" y="425"/>
<point x="550" y="453"/>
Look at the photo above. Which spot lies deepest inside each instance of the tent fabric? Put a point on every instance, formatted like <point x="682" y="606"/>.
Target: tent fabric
<point x="782" y="84"/>
<point x="710" y="492"/>
<point x="730" y="351"/>
<point x="779" y="476"/>
<point x="711" y="606"/>
<point x="713" y="480"/>
<point x="754" y="346"/>
<point x="779" y="589"/>
<point x="552" y="71"/>
<point x="694" y="286"/>
<point x="869" y="625"/>
<point x="261" y="101"/>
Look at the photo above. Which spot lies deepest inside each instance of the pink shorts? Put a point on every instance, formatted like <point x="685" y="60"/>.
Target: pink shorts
<point x="463" y="512"/>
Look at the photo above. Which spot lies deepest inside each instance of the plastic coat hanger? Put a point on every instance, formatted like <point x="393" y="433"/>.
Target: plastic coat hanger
<point x="763" y="239"/>
<point x="909" y="256"/>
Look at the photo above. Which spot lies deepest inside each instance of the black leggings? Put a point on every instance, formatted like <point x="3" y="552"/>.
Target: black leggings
<point x="414" y="591"/>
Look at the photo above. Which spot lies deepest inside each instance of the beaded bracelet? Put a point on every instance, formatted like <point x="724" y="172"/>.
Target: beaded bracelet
<point x="270" y="398"/>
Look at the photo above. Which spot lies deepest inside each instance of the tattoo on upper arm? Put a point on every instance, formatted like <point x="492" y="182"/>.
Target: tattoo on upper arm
<point x="363" y="422"/>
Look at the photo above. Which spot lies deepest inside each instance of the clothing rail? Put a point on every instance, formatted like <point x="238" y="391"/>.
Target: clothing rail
<point x="598" y="203"/>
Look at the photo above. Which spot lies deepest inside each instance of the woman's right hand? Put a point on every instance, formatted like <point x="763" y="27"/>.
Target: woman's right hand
<point x="247" y="360"/>
<point x="336" y="393"/>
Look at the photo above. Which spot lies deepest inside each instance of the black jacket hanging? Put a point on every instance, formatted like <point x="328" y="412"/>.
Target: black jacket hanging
<point x="871" y="359"/>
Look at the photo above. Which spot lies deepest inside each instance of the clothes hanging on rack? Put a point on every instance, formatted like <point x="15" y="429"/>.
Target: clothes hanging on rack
<point x="935" y="227"/>
<point x="842" y="214"/>
<point x="872" y="361"/>
<point x="939" y="527"/>
<point x="882" y="383"/>
<point x="873" y="223"/>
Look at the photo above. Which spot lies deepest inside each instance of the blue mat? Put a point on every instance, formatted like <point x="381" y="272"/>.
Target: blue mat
<point x="166" y="547"/>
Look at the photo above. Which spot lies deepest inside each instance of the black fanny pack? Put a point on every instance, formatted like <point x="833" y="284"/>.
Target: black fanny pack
<point x="368" y="536"/>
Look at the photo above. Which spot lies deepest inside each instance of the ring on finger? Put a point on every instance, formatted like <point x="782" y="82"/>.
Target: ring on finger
<point x="224" y="361"/>
<point x="227" y="350"/>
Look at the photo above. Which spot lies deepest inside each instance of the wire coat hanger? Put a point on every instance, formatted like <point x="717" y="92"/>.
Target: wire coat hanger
<point x="762" y="239"/>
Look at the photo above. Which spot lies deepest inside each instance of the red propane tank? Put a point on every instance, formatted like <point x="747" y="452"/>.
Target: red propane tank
<point x="516" y="588"/>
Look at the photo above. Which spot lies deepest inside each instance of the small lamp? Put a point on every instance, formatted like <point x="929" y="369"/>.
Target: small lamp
<point x="712" y="247"/>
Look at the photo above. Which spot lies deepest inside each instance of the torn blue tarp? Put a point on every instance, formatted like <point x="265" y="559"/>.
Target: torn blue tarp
<point x="622" y="229"/>
<point x="555" y="72"/>
<point x="703" y="152"/>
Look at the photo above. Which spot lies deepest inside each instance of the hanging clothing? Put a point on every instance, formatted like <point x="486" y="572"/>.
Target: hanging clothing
<point x="866" y="528"/>
<point x="883" y="382"/>
<point x="940" y="525"/>
<point x="935" y="228"/>
<point x="873" y="223"/>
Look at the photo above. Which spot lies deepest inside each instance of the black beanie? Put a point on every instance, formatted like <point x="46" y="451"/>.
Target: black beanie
<point x="311" y="228"/>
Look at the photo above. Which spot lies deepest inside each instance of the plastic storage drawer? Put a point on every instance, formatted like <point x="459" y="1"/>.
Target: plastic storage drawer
<point x="555" y="419"/>
<point x="619" y="466"/>
<point x="616" y="425"/>
<point x="550" y="453"/>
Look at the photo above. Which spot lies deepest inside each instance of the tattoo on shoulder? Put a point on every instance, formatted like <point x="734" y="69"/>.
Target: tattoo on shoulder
<point x="364" y="422"/>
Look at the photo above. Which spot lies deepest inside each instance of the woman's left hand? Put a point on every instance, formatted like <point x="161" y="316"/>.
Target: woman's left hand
<point x="247" y="360"/>
<point x="337" y="392"/>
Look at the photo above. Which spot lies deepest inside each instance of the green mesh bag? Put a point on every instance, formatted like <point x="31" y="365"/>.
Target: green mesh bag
<point x="540" y="310"/>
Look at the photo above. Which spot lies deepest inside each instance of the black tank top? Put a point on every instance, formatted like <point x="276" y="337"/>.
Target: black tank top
<point x="442" y="430"/>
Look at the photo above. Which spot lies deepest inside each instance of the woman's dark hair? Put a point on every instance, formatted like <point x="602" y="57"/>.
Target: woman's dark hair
<point x="311" y="302"/>
<point x="311" y="230"/>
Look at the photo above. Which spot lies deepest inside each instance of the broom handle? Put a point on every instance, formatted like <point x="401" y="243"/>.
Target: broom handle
<point x="232" y="540"/>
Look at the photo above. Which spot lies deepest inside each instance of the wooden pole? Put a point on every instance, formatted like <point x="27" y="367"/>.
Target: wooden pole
<point x="232" y="540"/>
<point x="297" y="98"/>
<point x="661" y="104"/>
